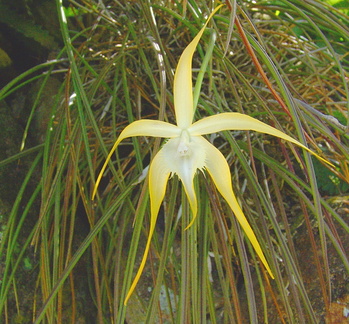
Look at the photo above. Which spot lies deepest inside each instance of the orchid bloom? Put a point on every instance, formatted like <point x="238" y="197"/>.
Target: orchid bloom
<point x="187" y="150"/>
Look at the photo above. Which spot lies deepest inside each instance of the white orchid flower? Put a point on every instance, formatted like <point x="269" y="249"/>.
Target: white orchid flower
<point x="187" y="151"/>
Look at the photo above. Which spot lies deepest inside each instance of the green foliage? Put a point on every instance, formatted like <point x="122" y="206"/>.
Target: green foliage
<point x="328" y="182"/>
<point x="340" y="5"/>
<point x="5" y="60"/>
<point x="26" y="27"/>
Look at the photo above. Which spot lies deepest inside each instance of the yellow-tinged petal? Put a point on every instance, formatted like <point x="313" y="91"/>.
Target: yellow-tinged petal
<point x="183" y="88"/>
<point x="237" y="121"/>
<point x="144" y="127"/>
<point x="158" y="177"/>
<point x="149" y="127"/>
<point x="218" y="168"/>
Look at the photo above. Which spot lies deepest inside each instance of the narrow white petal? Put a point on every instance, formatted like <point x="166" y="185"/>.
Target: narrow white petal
<point x="158" y="177"/>
<point x="233" y="121"/>
<point x="144" y="127"/>
<point x="237" y="121"/>
<point x="218" y="168"/>
<point x="149" y="127"/>
<point x="183" y="88"/>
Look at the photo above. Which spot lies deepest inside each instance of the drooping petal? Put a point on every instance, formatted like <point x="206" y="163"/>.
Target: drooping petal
<point x="159" y="173"/>
<point x="237" y="121"/>
<point x="144" y="127"/>
<point x="218" y="168"/>
<point x="183" y="88"/>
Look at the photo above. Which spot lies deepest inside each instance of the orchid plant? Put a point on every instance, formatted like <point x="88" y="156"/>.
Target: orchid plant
<point x="187" y="151"/>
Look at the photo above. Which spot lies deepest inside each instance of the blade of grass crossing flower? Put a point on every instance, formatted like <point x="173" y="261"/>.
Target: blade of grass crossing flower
<point x="203" y="67"/>
<point x="183" y="88"/>
<point x="218" y="169"/>
<point x="158" y="177"/>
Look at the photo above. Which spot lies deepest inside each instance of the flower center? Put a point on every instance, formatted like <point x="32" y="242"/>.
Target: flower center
<point x="183" y="146"/>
